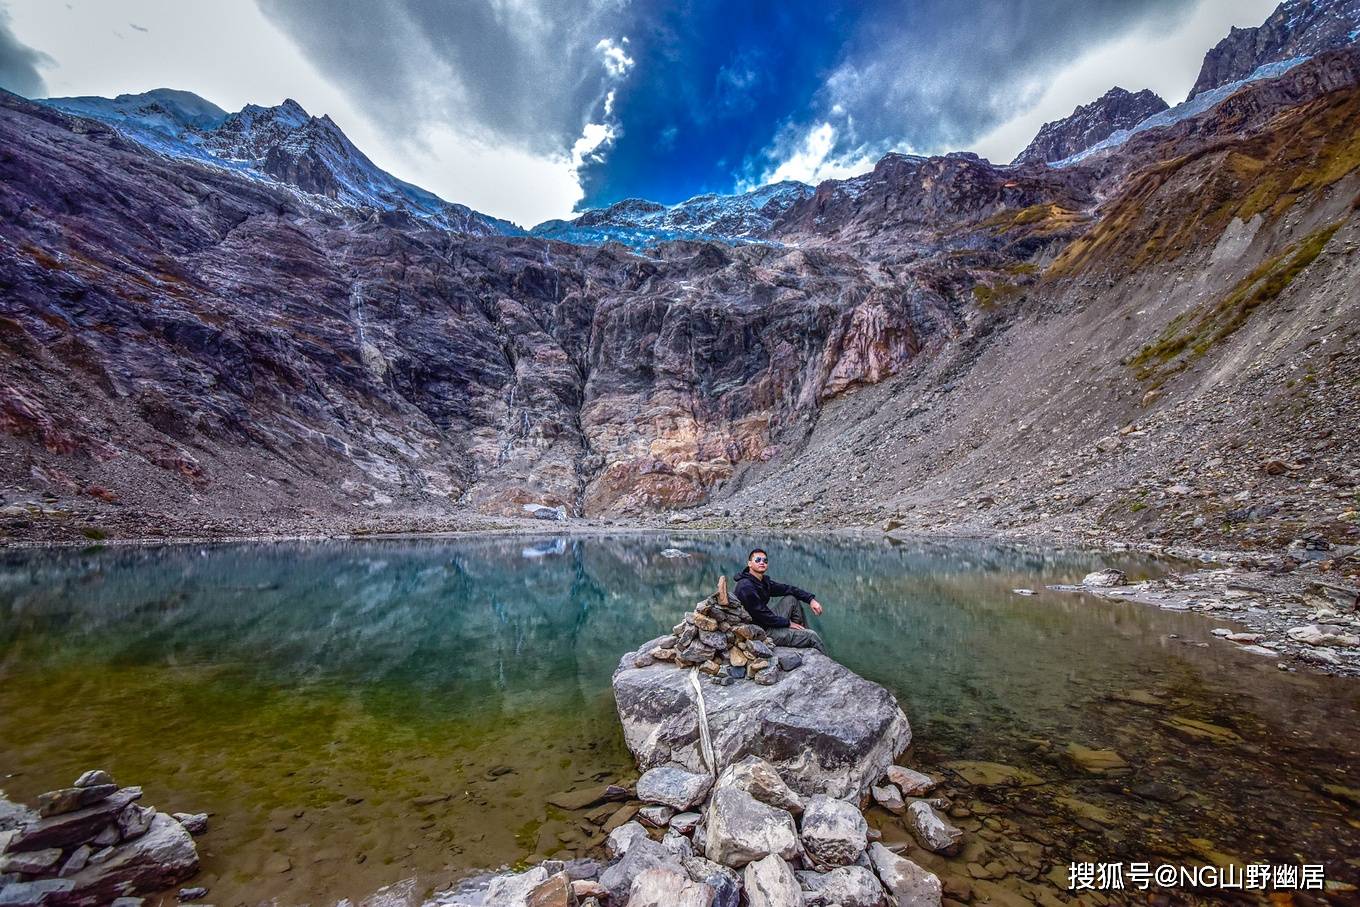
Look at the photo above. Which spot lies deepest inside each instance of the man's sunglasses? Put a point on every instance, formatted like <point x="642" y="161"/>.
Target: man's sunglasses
<point x="759" y="560"/>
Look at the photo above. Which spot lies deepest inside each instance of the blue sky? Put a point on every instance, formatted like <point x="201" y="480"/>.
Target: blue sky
<point x="530" y="109"/>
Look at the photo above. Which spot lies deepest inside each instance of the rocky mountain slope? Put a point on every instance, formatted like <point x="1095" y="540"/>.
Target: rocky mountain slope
<point x="1153" y="338"/>
<point x="1297" y="28"/>
<point x="1089" y="123"/>
<point x="282" y="144"/>
<point x="1185" y="369"/>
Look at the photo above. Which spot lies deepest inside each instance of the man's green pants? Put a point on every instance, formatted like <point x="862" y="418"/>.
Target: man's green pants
<point x="792" y="608"/>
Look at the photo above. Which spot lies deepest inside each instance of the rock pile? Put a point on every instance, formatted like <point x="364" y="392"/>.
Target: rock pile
<point x="752" y="841"/>
<point x="719" y="639"/>
<point x="766" y="812"/>
<point x="92" y="843"/>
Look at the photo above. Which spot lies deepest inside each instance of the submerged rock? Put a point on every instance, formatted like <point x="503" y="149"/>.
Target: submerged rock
<point x="824" y="728"/>
<point x="932" y="830"/>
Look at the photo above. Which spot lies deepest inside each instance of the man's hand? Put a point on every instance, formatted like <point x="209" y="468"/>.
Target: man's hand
<point x="797" y="626"/>
<point x="816" y="606"/>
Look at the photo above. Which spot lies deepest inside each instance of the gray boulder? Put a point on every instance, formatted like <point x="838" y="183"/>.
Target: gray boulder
<point x="823" y="728"/>
<point x="674" y="786"/>
<point x="643" y="854"/>
<point x="76" y="827"/>
<point x="1105" y="578"/>
<point x="740" y="829"/>
<point x="909" y="884"/>
<point x="513" y="889"/>
<point x="621" y="838"/>
<point x="932" y="830"/>
<point x="834" y="832"/>
<point x="759" y="779"/>
<point x="669" y="886"/>
<point x="678" y="844"/>
<point x="725" y="883"/>
<point x="685" y="822"/>
<point x="770" y="882"/>
<point x="846" y="886"/>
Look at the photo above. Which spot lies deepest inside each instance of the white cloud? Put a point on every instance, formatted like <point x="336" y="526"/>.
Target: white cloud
<point x="811" y="159"/>
<point x="595" y="138"/>
<point x="1166" y="62"/>
<point x="616" y="59"/>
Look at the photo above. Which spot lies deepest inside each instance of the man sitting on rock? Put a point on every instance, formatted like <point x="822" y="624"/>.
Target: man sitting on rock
<point x="785" y="621"/>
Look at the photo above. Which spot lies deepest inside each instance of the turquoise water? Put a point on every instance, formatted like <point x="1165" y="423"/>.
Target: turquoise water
<point x="366" y="711"/>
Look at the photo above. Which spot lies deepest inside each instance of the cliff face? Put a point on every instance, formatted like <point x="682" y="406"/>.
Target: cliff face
<point x="1089" y="123"/>
<point x="1296" y="28"/>
<point x="175" y="332"/>
<point x="179" y="340"/>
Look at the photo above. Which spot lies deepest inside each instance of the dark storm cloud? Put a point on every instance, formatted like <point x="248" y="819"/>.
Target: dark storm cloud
<point x="937" y="74"/>
<point x="530" y="72"/>
<point x="19" y="64"/>
<point x="720" y="91"/>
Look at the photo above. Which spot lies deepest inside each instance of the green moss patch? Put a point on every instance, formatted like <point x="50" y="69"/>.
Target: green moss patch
<point x="1190" y="335"/>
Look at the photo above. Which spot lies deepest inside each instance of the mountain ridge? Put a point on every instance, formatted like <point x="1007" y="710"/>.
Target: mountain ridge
<point x="1089" y="124"/>
<point x="283" y="143"/>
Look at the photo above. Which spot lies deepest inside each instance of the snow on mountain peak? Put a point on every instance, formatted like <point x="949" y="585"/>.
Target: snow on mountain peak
<point x="282" y="144"/>
<point x="636" y="222"/>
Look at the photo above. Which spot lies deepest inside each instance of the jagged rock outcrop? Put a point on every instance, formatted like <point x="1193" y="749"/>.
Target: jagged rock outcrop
<point x="1088" y="124"/>
<point x="824" y="728"/>
<point x="1296" y="28"/>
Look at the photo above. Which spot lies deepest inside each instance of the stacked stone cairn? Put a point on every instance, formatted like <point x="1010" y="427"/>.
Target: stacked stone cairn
<point x="92" y="843"/>
<point x="719" y="639"/>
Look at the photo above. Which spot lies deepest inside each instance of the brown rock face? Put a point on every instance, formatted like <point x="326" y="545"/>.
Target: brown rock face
<point x="170" y="328"/>
<point x="175" y="338"/>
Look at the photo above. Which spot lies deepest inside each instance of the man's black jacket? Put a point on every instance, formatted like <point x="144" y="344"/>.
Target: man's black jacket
<point x="755" y="594"/>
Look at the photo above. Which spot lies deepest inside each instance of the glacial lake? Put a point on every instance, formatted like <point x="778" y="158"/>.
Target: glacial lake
<point x="358" y="713"/>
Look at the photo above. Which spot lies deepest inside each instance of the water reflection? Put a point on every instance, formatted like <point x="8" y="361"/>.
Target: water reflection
<point x="271" y="683"/>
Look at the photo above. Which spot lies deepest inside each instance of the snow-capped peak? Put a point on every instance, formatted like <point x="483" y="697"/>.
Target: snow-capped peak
<point x="741" y="217"/>
<point x="282" y="144"/>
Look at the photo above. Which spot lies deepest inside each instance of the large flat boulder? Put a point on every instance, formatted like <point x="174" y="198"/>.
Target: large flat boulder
<point x="823" y="727"/>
